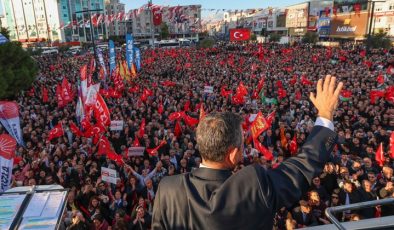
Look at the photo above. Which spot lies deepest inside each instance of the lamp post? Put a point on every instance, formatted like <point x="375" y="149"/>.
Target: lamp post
<point x="91" y="30"/>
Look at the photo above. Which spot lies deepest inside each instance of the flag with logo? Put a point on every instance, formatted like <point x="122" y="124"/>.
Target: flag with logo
<point x="7" y="154"/>
<point x="137" y="53"/>
<point x="112" y="56"/>
<point x="129" y="50"/>
<point x="9" y="119"/>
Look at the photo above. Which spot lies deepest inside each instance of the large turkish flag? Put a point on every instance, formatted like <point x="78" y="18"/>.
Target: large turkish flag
<point x="239" y="34"/>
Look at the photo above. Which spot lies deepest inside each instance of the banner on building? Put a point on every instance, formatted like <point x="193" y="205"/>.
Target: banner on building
<point x="297" y="16"/>
<point x="349" y="25"/>
<point x="109" y="175"/>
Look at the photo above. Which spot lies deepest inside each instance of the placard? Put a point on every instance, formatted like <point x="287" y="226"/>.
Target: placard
<point x="208" y="89"/>
<point x="109" y="175"/>
<point x="136" y="151"/>
<point x="116" y="125"/>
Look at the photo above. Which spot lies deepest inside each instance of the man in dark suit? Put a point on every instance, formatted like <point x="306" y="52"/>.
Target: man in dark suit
<point x="210" y="197"/>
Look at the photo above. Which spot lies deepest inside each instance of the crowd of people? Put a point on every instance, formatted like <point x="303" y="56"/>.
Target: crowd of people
<point x="288" y="74"/>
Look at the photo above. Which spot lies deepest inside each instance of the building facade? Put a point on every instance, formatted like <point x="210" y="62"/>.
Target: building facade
<point x="384" y="17"/>
<point x="75" y="24"/>
<point x="32" y="20"/>
<point x="116" y="27"/>
<point x="182" y="21"/>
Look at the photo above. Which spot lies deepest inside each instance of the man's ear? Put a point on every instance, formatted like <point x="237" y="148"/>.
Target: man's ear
<point x="233" y="157"/>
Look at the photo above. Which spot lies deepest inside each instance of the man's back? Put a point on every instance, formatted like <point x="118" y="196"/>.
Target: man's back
<point x="215" y="199"/>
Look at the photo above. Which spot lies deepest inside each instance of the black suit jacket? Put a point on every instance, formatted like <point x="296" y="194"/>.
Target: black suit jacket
<point x="216" y="199"/>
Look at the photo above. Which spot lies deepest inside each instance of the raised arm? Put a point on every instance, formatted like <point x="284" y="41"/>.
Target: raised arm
<point x="293" y="177"/>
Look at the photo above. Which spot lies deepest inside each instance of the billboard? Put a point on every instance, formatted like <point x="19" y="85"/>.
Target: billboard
<point x="297" y="15"/>
<point x="349" y="25"/>
<point x="348" y="6"/>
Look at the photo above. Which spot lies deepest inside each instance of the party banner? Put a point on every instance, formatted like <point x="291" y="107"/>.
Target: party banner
<point x="137" y="58"/>
<point x="112" y="56"/>
<point x="102" y="64"/>
<point x="129" y="50"/>
<point x="9" y="118"/>
<point x="7" y="154"/>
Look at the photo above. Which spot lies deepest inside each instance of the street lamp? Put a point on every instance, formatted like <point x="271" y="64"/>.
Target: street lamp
<point x="91" y="30"/>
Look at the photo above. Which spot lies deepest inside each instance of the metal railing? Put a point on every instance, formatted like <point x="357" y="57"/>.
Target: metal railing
<point x="330" y="211"/>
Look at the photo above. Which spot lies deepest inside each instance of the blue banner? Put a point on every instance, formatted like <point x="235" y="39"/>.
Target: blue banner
<point x="3" y="39"/>
<point x="112" y="56"/>
<point x="137" y="58"/>
<point x="129" y="50"/>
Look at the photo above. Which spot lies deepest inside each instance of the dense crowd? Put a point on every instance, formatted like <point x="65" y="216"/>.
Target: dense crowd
<point x="288" y="73"/>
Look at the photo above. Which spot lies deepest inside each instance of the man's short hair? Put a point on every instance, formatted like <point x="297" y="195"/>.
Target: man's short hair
<point x="217" y="133"/>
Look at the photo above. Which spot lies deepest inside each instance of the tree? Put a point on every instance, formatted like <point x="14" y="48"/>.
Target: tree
<point x="17" y="72"/>
<point x="379" y="40"/>
<point x="310" y="37"/>
<point x="253" y="37"/>
<point x="5" y="32"/>
<point x="206" y="43"/>
<point x="164" y="33"/>
<point x="275" y="37"/>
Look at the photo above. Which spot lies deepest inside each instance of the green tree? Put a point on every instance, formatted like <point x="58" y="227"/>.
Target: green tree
<point x="5" y="32"/>
<point x="17" y="70"/>
<point x="275" y="37"/>
<point x="164" y="33"/>
<point x="310" y="37"/>
<point x="379" y="40"/>
<point x="253" y="37"/>
<point x="64" y="48"/>
<point x="206" y="43"/>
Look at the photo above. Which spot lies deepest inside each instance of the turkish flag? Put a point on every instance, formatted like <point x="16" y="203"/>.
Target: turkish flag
<point x="225" y="93"/>
<point x="95" y="130"/>
<point x="239" y="34"/>
<point x="160" y="109"/>
<point x="270" y="118"/>
<point x="357" y="8"/>
<point x="136" y="142"/>
<point x="7" y="146"/>
<point x="44" y="95"/>
<point x="298" y="95"/>
<point x="281" y="93"/>
<point x="392" y="145"/>
<point x="363" y="53"/>
<point x="305" y="80"/>
<point x="190" y="121"/>
<point x="74" y="129"/>
<point x="176" y="116"/>
<point x="157" y="16"/>
<point x="380" y="79"/>
<point x="390" y="70"/>
<point x="389" y="95"/>
<point x="141" y="131"/>
<point x="263" y="150"/>
<point x="104" y="146"/>
<point x="59" y="96"/>
<point x="177" y="129"/>
<point x="314" y="59"/>
<point x="186" y="107"/>
<point x="293" y="147"/>
<point x="115" y="157"/>
<point x="258" y="126"/>
<point x="379" y="156"/>
<point x="153" y="152"/>
<point x="374" y="94"/>
<point x="57" y="131"/>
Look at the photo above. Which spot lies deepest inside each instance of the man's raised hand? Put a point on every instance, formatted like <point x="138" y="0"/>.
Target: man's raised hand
<point x="326" y="98"/>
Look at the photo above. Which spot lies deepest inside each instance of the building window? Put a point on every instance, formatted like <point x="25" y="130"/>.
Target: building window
<point x="391" y="7"/>
<point x="65" y="15"/>
<point x="64" y="7"/>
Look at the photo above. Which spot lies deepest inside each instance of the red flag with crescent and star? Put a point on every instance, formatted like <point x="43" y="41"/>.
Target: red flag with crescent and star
<point x="239" y="34"/>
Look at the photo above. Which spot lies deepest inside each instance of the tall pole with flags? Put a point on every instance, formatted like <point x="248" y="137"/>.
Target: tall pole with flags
<point x="152" y="30"/>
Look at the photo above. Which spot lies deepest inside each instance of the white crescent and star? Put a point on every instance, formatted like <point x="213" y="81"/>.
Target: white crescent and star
<point x="238" y="35"/>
